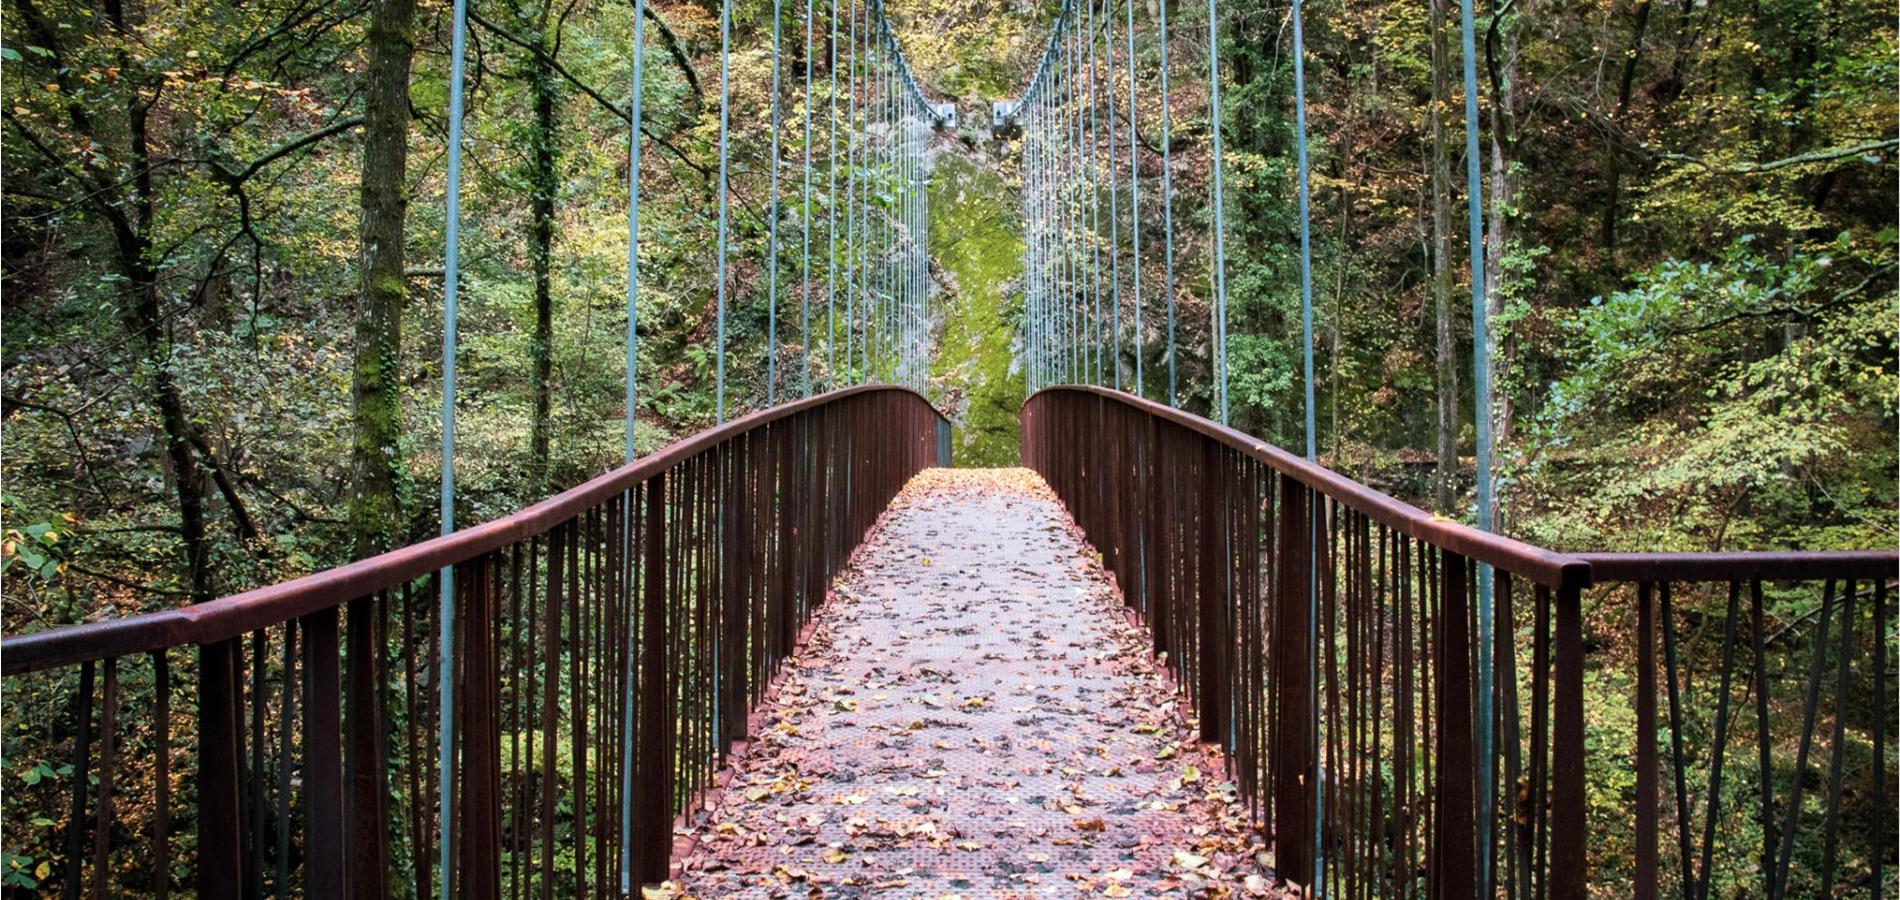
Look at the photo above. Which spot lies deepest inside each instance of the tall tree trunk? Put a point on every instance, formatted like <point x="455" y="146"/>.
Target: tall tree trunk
<point x="132" y="238"/>
<point x="1501" y="59"/>
<point x="545" y="181"/>
<point x="1442" y="276"/>
<point x="375" y="509"/>
<point x="1613" y="153"/>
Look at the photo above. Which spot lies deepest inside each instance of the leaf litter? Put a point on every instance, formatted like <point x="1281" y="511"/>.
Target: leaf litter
<point x="974" y="716"/>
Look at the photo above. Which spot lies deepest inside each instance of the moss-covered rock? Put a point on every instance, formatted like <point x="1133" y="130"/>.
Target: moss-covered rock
<point x="976" y="241"/>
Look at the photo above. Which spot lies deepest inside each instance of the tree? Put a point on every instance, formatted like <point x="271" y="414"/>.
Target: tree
<point x="1443" y="278"/>
<point x="375" y="510"/>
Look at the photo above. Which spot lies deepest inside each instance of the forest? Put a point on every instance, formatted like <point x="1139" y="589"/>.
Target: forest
<point x="224" y="222"/>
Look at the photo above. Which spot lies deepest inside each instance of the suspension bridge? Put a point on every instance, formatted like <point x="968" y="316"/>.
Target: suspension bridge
<point x="796" y="653"/>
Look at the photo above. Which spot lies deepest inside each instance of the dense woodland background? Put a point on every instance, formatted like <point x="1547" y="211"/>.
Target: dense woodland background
<point x="223" y="240"/>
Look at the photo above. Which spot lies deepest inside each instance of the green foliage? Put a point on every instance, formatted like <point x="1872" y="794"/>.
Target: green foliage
<point x="976" y="241"/>
<point x="1726" y="403"/>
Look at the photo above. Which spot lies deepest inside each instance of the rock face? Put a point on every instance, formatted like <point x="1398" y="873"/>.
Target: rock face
<point x="976" y="245"/>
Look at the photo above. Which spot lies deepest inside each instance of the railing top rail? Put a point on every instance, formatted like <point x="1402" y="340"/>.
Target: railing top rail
<point x="1526" y="560"/>
<point x="237" y="614"/>
<point x="1771" y="565"/>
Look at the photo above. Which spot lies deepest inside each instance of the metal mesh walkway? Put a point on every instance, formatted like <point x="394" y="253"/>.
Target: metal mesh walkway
<point x="974" y="716"/>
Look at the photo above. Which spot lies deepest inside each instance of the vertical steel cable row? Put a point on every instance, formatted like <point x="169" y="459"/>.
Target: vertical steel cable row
<point x="1134" y="204"/>
<point x="1071" y="280"/>
<point x="831" y="212"/>
<point x="1167" y="190"/>
<point x="1114" y="196"/>
<point x="772" y="217"/>
<point x="851" y="195"/>
<point x="1095" y="202"/>
<point x="1053" y="175"/>
<point x="1031" y="332"/>
<point x="873" y="207"/>
<point x="804" y="241"/>
<point x="725" y="160"/>
<point x="861" y="267"/>
<point x="1036" y="132"/>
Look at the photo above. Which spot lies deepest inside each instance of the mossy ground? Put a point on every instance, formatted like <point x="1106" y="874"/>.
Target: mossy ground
<point x="976" y="240"/>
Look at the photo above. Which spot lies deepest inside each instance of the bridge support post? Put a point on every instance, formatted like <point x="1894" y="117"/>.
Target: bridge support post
<point x="1292" y="753"/>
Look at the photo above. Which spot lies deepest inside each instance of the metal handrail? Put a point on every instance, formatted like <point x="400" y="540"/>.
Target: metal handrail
<point x="1303" y="611"/>
<point x="1546" y="567"/>
<point x="237" y="614"/>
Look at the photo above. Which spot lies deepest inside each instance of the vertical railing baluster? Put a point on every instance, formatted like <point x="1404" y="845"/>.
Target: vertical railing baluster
<point x="1883" y="808"/>
<point x="1817" y="664"/>
<point x="162" y="776"/>
<point x="1647" y="799"/>
<point x="653" y="816"/>
<point x="1213" y="638"/>
<point x="82" y="768"/>
<point x="1831" y="813"/>
<point x="254" y="780"/>
<point x="368" y="852"/>
<point x="1454" y="865"/>
<point x="478" y="809"/>
<point x="220" y="843"/>
<point x="1295" y="756"/>
<point x="286" y="715"/>
<point x="324" y="867"/>
<point x="1569" y="842"/>
<point x="108" y="758"/>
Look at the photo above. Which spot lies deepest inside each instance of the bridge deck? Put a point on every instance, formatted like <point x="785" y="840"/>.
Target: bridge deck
<point x="974" y="716"/>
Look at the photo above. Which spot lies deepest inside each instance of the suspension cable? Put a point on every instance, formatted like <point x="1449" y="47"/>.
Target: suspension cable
<point x="1114" y="188"/>
<point x="1481" y="419"/>
<point x="831" y="214"/>
<point x="1219" y="331"/>
<point x="451" y="267"/>
<point x="1167" y="193"/>
<point x="1134" y="200"/>
<point x="633" y="342"/>
<point x="804" y="242"/>
<point x="1095" y="203"/>
<point x="1306" y="339"/>
<point x="725" y="159"/>
<point x="854" y="229"/>
<point x="771" y="265"/>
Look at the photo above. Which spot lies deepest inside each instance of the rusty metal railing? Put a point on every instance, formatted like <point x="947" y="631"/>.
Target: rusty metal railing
<point x="608" y="644"/>
<point x="1325" y="635"/>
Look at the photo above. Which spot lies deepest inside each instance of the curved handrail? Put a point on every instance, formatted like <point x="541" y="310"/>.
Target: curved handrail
<point x="237" y="614"/>
<point x="1544" y="566"/>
